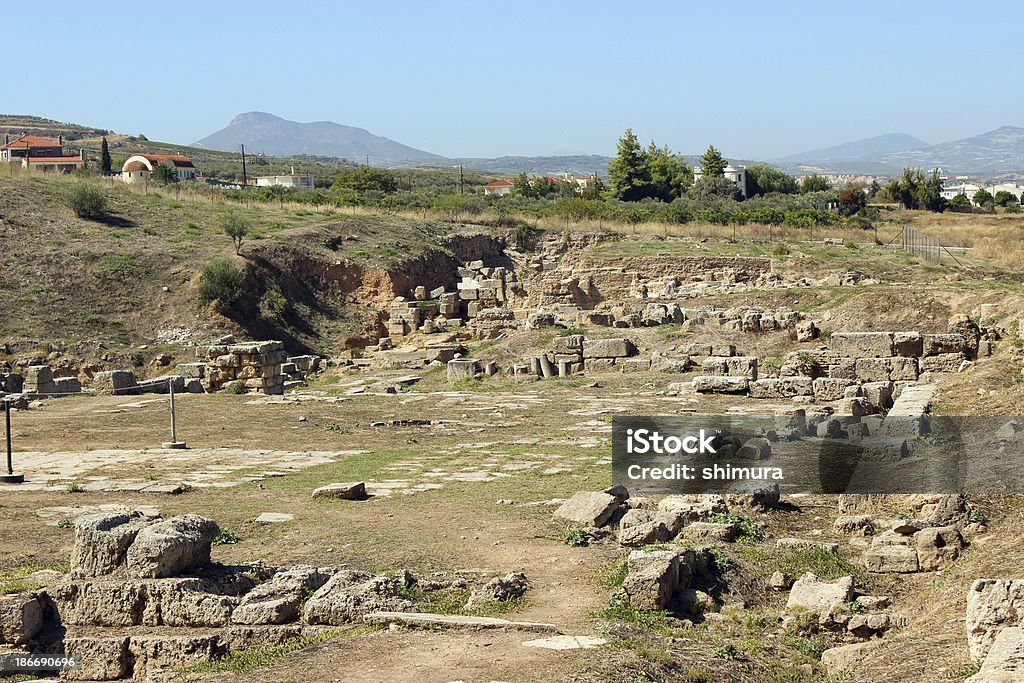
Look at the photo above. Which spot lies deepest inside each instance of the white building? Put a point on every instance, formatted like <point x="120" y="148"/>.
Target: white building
<point x="293" y="179"/>
<point x="499" y="188"/>
<point x="139" y="167"/>
<point x="737" y="174"/>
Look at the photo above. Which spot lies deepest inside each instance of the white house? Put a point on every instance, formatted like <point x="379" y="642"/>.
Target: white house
<point x="499" y="188"/>
<point x="139" y="167"/>
<point x="737" y="174"/>
<point x="298" y="180"/>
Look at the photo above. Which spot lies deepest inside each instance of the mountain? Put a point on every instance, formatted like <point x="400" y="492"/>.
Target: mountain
<point x="274" y="136"/>
<point x="997" y="151"/>
<point x="576" y="165"/>
<point x="868" y="149"/>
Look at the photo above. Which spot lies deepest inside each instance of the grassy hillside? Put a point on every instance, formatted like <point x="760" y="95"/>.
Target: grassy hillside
<point x="130" y="277"/>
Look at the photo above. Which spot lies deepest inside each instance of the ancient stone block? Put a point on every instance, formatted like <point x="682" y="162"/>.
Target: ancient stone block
<point x="102" y="541"/>
<point x="608" y="348"/>
<point x="350" y="594"/>
<point x="103" y="659"/>
<point x="279" y="600"/>
<point x="908" y="344"/>
<point x="587" y="509"/>
<point x="342" y="491"/>
<point x="653" y="578"/>
<point x="462" y="368"/>
<point x="898" y="559"/>
<point x="811" y="593"/>
<point x="938" y="547"/>
<point x="830" y="388"/>
<point x="782" y="387"/>
<point x="872" y="369"/>
<point x="992" y="605"/>
<point x="705" y="384"/>
<point x="169" y="547"/>
<point x="862" y="344"/>
<point x="21" y="618"/>
<point x="938" y="344"/>
<point x="945" y="362"/>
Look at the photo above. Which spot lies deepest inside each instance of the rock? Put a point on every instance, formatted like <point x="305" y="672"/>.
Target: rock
<point x="278" y="601"/>
<point x="779" y="582"/>
<point x="908" y="527"/>
<point x="169" y="547"/>
<point x="992" y="604"/>
<point x="812" y="594"/>
<point x="830" y="388"/>
<point x="566" y="643"/>
<point x="342" y="491"/>
<point x="454" y="621"/>
<point x="634" y="517"/>
<point x="644" y="533"/>
<point x="871" y="602"/>
<point x="806" y="331"/>
<point x="757" y="448"/>
<point x="862" y="344"/>
<point x="462" y="368"/>
<point x="713" y="384"/>
<point x="846" y="659"/>
<point x="103" y="659"/>
<point x="806" y="544"/>
<point x="608" y="348"/>
<point x="653" y="578"/>
<point x="274" y="518"/>
<point x="856" y="525"/>
<point x="679" y="510"/>
<point x="709" y="532"/>
<point x="883" y="448"/>
<point x="587" y="509"/>
<point x="350" y="594"/>
<point x="114" y="382"/>
<point x="898" y="559"/>
<point x="21" y="618"/>
<point x="1004" y="662"/>
<point x="151" y="654"/>
<point x="102" y="541"/>
<point x="501" y="589"/>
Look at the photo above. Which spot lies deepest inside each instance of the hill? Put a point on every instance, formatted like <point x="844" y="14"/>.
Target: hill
<point x="274" y="136"/>
<point x="997" y="151"/>
<point x="859" y="150"/>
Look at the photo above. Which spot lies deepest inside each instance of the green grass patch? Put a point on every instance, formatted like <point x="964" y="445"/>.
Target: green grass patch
<point x="619" y="609"/>
<point x="825" y="564"/>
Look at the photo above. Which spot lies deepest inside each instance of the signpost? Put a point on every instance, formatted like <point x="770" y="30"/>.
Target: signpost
<point x="10" y="476"/>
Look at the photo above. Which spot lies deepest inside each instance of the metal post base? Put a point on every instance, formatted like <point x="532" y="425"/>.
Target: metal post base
<point x="14" y="478"/>
<point x="173" y="444"/>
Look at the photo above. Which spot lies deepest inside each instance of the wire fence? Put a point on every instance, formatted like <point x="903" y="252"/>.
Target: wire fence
<point x="921" y="245"/>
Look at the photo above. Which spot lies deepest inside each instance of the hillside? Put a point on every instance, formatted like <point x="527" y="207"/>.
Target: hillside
<point x="859" y="150"/>
<point x="999" y="150"/>
<point x="275" y="136"/>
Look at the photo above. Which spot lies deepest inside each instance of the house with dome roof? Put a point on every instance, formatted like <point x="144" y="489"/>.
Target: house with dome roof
<point x="139" y="167"/>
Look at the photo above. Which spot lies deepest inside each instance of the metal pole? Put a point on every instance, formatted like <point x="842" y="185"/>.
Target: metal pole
<point x="10" y="477"/>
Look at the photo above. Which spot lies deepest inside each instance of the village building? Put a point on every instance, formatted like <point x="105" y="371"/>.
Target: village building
<point x="737" y="174"/>
<point x="139" y="167"/>
<point x="39" y="154"/>
<point x="499" y="188"/>
<point x="293" y="179"/>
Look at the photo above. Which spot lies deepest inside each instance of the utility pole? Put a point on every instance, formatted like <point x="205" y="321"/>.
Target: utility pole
<point x="245" y="180"/>
<point x="367" y="161"/>
<point x="462" y="181"/>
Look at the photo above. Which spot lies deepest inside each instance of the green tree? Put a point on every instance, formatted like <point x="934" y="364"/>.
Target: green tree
<point x="929" y="193"/>
<point x="222" y="283"/>
<point x="815" y="183"/>
<point x="1005" y="198"/>
<point x="852" y="200"/>
<point x="712" y="164"/>
<point x="521" y="186"/>
<point x="628" y="172"/>
<point x="106" y="164"/>
<point x="712" y="187"/>
<point x="762" y="179"/>
<point x="235" y="226"/>
<point x="960" y="203"/>
<point x="669" y="173"/>
<point x="87" y="201"/>
<point x="366" y="179"/>
<point x="594" y="189"/>
<point x="984" y="200"/>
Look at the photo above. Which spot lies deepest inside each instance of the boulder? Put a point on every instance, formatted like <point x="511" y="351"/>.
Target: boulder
<point x="608" y="348"/>
<point x="102" y="541"/>
<point x="172" y="546"/>
<point x="812" y="594"/>
<point x="644" y="533"/>
<point x="587" y="509"/>
<point x="1004" y="662"/>
<point x="938" y="547"/>
<point x="992" y="605"/>
<point x="679" y="510"/>
<point x="103" y="659"/>
<point x="511" y="586"/>
<point x="21" y="618"/>
<point x="711" y="384"/>
<point x="899" y="559"/>
<point x="278" y="601"/>
<point x="342" y="491"/>
<point x="709" y="532"/>
<point x="350" y="594"/>
<point x="653" y="578"/>
<point x="883" y="448"/>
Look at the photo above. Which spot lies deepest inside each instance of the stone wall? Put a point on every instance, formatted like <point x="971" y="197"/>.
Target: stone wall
<point x="256" y="364"/>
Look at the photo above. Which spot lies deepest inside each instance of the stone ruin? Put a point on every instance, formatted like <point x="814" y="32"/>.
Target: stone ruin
<point x="143" y="597"/>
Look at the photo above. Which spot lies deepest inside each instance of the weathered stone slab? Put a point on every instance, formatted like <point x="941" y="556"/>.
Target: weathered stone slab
<point x="653" y="578"/>
<point x="342" y="491"/>
<point x="102" y="541"/>
<point x="883" y="448"/>
<point x="782" y="387"/>
<point x="169" y="547"/>
<point x="992" y="604"/>
<point x="830" y="388"/>
<point x="811" y="593"/>
<point x="587" y="509"/>
<point x="21" y="618"/>
<point x="862" y="344"/>
<point x="899" y="559"/>
<point x="462" y="368"/>
<point x="608" y="348"/>
<point x="706" y="384"/>
<point x="455" y="621"/>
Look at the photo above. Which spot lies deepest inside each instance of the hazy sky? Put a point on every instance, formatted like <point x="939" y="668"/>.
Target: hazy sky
<point x="757" y="78"/>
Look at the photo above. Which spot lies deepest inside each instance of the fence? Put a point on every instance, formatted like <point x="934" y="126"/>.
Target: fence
<point x="921" y="245"/>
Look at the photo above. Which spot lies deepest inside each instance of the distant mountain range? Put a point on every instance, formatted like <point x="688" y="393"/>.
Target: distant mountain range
<point x="995" y="152"/>
<point x="274" y="136"/>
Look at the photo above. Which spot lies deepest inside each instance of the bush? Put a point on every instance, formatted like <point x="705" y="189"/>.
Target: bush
<point x="237" y="387"/>
<point x="87" y="201"/>
<point x="223" y="282"/>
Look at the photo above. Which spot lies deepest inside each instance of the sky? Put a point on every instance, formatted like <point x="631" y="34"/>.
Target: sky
<point x="758" y="79"/>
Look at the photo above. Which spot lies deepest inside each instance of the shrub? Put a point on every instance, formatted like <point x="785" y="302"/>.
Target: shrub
<point x="576" y="538"/>
<point x="87" y="201"/>
<point x="226" y="537"/>
<point x="237" y="387"/>
<point x="223" y="282"/>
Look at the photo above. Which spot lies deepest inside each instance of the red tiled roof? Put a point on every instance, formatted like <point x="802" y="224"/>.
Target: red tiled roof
<point x="135" y="166"/>
<point x="176" y="159"/>
<point x="29" y="141"/>
<point x="500" y="183"/>
<point x="54" y="160"/>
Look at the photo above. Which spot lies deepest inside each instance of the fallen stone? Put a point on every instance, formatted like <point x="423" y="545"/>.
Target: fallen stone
<point x="511" y="586"/>
<point x="102" y="541"/>
<point x="587" y="509"/>
<point x="342" y="491"/>
<point x="21" y="618"/>
<point x="899" y="559"/>
<point x="350" y="594"/>
<point x="709" y="532"/>
<point x="566" y="642"/>
<point x="653" y="578"/>
<point x="455" y="621"/>
<point x="812" y="594"/>
<point x="992" y="605"/>
<point x="1004" y="662"/>
<point x="274" y="518"/>
<point x="278" y="601"/>
<point x="169" y="547"/>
